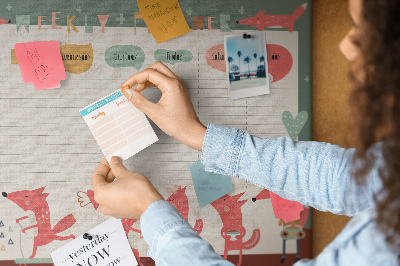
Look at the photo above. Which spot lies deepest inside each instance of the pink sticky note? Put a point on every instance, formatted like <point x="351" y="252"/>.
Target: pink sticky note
<point x="41" y="63"/>
<point x="284" y="209"/>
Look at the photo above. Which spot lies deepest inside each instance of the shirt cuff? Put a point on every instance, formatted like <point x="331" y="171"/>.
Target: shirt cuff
<point x="159" y="218"/>
<point x="222" y="148"/>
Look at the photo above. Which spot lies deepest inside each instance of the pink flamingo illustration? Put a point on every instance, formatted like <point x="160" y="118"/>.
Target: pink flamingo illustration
<point x="229" y="209"/>
<point x="292" y="222"/>
<point x="181" y="203"/>
<point x="261" y="21"/>
<point x="35" y="200"/>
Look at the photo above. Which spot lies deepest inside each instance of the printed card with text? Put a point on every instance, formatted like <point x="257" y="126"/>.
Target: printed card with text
<point x="108" y="246"/>
<point x="118" y="126"/>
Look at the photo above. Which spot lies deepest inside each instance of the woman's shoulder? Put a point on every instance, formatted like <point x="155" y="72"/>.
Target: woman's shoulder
<point x="363" y="241"/>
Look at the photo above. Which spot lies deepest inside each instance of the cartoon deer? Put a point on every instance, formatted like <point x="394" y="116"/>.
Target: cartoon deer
<point x="181" y="203"/>
<point x="126" y="223"/>
<point x="292" y="223"/>
<point x="261" y="21"/>
<point x="35" y="200"/>
<point x="229" y="209"/>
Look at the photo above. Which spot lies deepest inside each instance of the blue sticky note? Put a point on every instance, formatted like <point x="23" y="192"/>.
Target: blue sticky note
<point x="209" y="186"/>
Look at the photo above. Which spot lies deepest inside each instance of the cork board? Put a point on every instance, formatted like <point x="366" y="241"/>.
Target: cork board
<point x="331" y="89"/>
<point x="50" y="153"/>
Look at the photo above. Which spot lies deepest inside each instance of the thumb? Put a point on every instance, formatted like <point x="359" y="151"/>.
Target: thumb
<point x="117" y="167"/>
<point x="139" y="101"/>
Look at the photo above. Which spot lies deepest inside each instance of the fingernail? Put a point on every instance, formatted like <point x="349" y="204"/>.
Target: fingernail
<point x="128" y="94"/>
<point x="115" y="160"/>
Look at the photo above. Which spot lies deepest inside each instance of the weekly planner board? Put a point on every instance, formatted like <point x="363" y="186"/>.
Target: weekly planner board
<point x="48" y="152"/>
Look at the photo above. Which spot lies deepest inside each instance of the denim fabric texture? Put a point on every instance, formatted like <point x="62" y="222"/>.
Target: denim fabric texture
<point x="313" y="173"/>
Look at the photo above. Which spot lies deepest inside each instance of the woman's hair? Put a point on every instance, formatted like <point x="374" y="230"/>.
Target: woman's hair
<point x="375" y="103"/>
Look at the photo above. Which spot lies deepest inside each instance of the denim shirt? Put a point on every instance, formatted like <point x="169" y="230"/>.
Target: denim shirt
<point x="312" y="173"/>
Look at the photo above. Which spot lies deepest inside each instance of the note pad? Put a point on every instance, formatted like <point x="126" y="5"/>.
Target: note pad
<point x="108" y="246"/>
<point x="118" y="126"/>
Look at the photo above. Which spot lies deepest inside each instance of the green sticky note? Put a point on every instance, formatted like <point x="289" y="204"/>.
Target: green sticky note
<point x="209" y="186"/>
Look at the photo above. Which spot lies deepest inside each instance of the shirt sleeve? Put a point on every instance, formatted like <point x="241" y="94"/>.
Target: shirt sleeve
<point x="171" y="239"/>
<point x="313" y="173"/>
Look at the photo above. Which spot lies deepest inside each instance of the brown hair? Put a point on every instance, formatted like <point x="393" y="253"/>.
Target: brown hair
<point x="375" y="103"/>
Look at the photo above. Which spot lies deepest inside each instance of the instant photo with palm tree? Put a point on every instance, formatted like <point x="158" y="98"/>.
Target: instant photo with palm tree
<point x="246" y="64"/>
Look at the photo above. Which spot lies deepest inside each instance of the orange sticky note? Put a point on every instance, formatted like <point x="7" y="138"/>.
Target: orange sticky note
<point x="41" y="63"/>
<point x="164" y="18"/>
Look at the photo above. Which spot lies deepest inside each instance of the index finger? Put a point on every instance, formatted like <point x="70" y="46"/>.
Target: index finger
<point x="160" y="67"/>
<point x="100" y="174"/>
<point x="158" y="79"/>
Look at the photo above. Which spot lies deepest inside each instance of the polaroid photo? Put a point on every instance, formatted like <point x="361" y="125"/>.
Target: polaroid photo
<point x="246" y="64"/>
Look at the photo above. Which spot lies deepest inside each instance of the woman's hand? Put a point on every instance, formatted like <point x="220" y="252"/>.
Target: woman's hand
<point x="174" y="113"/>
<point x="127" y="197"/>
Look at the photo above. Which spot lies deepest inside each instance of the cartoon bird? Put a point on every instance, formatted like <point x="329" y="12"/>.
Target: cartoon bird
<point x="292" y="223"/>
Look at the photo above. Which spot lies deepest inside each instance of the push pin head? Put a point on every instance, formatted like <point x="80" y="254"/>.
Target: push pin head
<point x="87" y="236"/>
<point x="246" y="36"/>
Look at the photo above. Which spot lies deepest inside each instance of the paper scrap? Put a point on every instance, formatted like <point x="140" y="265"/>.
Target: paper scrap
<point x="164" y="18"/>
<point x="209" y="186"/>
<point x="284" y="209"/>
<point x="109" y="246"/>
<point x="118" y="126"/>
<point x="41" y="63"/>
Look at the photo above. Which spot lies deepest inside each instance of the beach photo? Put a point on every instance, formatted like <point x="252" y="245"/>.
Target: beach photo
<point x="246" y="65"/>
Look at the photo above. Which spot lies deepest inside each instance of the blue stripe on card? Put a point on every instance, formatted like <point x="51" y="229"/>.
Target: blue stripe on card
<point x="100" y="103"/>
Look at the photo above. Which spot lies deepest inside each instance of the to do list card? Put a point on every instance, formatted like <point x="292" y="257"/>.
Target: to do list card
<point x="118" y="126"/>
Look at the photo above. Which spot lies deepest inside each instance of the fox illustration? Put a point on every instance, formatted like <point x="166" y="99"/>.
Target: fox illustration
<point x="292" y="229"/>
<point x="126" y="223"/>
<point x="261" y="21"/>
<point x="229" y="209"/>
<point x="181" y="203"/>
<point x="35" y="200"/>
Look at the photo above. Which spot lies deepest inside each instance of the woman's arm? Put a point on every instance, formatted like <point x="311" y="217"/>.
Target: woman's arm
<point x="173" y="241"/>
<point x="125" y="194"/>
<point x="312" y="173"/>
<point x="315" y="174"/>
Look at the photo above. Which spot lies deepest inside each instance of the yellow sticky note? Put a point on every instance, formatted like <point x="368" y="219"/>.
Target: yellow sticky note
<point x="164" y="18"/>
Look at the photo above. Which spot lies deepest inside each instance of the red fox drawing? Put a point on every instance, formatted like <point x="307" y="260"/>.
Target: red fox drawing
<point x="181" y="203"/>
<point x="229" y="209"/>
<point x="35" y="200"/>
<point x="261" y="21"/>
<point x="127" y="224"/>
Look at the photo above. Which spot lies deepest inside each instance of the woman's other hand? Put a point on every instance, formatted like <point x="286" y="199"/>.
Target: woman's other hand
<point x="128" y="196"/>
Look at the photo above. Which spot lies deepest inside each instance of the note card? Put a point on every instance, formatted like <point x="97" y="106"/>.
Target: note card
<point x="118" y="126"/>
<point x="209" y="186"/>
<point x="284" y="209"/>
<point x="164" y="18"/>
<point x="108" y="246"/>
<point x="41" y="63"/>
